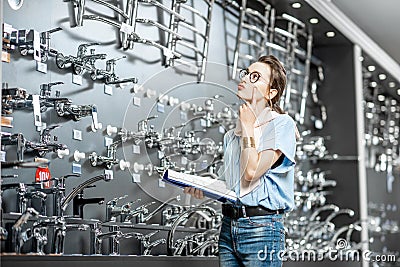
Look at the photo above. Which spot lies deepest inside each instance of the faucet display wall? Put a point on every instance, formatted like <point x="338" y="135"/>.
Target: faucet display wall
<point x="145" y="142"/>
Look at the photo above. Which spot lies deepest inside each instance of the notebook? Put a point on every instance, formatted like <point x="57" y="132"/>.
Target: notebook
<point x="212" y="188"/>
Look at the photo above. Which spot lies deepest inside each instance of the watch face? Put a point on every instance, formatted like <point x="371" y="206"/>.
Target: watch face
<point x="15" y="4"/>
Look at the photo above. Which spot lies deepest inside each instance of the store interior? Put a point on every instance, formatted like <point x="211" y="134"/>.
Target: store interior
<point x="100" y="98"/>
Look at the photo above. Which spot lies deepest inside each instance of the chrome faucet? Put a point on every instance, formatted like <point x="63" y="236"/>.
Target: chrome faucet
<point x="142" y="219"/>
<point x="171" y="248"/>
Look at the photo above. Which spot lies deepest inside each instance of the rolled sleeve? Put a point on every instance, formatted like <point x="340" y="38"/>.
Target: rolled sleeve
<point x="280" y="135"/>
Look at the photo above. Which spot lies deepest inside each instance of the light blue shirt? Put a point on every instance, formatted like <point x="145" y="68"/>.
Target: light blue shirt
<point x="276" y="188"/>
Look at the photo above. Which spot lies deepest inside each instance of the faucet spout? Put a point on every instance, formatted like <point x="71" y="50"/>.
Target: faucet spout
<point x="142" y="219"/>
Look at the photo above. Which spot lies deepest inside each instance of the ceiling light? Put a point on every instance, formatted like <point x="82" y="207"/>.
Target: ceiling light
<point x="398" y="91"/>
<point x="392" y="84"/>
<point x="373" y="84"/>
<point x="330" y="34"/>
<point x="361" y="59"/>
<point x="371" y="68"/>
<point x="382" y="76"/>
<point x="296" y="5"/>
<point x="381" y="98"/>
<point x="314" y="20"/>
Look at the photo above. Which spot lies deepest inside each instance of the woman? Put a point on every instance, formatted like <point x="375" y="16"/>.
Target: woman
<point x="259" y="167"/>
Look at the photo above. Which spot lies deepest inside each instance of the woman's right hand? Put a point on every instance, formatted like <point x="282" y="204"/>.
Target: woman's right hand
<point x="197" y="193"/>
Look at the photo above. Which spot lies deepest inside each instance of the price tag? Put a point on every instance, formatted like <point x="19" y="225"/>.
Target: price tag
<point x="43" y="174"/>
<point x="184" y="160"/>
<point x="110" y="174"/>
<point x="184" y="116"/>
<point x="77" y="135"/>
<point x="3" y="156"/>
<point x="76" y="168"/>
<point x="41" y="67"/>
<point x="136" y="149"/>
<point x="161" y="183"/>
<point x="135" y="177"/>
<point x="136" y="101"/>
<point x="77" y="79"/>
<point x="108" y="90"/>
<point x="160" y="107"/>
<point x="107" y="141"/>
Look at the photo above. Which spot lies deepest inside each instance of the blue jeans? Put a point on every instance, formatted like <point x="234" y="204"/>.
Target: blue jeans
<point x="252" y="241"/>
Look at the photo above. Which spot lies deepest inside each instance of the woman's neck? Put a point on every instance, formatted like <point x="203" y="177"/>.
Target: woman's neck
<point x="260" y="106"/>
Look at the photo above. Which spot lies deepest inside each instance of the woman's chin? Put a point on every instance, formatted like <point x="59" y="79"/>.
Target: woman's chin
<point x="242" y="96"/>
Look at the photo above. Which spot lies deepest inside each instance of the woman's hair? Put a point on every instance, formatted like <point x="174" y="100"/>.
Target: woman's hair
<point x="277" y="80"/>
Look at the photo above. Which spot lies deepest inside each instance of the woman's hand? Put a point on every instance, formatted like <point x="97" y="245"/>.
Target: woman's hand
<point x="197" y="193"/>
<point x="247" y="116"/>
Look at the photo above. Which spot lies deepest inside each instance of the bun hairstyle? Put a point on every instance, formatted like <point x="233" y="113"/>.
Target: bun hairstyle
<point x="277" y="80"/>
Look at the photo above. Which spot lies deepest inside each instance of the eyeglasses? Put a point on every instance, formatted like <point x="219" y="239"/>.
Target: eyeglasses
<point x="253" y="76"/>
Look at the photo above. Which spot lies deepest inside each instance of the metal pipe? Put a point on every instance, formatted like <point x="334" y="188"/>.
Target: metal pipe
<point x="116" y="9"/>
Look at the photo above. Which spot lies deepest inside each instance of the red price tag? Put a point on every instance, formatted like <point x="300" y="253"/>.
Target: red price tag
<point x="43" y="176"/>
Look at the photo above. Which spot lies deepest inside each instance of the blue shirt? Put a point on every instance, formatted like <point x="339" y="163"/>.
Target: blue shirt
<point x="276" y="187"/>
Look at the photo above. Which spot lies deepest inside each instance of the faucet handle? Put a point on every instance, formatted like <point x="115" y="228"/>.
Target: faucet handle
<point x="147" y="204"/>
<point x="149" y="235"/>
<point x="114" y="201"/>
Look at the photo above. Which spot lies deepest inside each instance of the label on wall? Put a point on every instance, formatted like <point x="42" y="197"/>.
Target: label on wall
<point x="43" y="174"/>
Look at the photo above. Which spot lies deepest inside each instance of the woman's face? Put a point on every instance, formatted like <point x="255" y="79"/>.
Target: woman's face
<point x="246" y="88"/>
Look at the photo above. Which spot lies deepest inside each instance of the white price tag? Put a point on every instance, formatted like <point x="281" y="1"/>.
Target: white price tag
<point x="184" y="116"/>
<point x="77" y="79"/>
<point x="160" y="154"/>
<point x="136" y="101"/>
<point x="3" y="156"/>
<point x="41" y="67"/>
<point x="221" y="129"/>
<point x="203" y="123"/>
<point x="161" y="183"/>
<point x="107" y="141"/>
<point x="160" y="107"/>
<point x="110" y="174"/>
<point x="108" y="90"/>
<point x="136" y="149"/>
<point x="135" y="177"/>
<point x="77" y="135"/>
<point x="184" y="160"/>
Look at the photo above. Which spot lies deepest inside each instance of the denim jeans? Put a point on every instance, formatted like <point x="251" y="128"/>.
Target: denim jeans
<point x="252" y="241"/>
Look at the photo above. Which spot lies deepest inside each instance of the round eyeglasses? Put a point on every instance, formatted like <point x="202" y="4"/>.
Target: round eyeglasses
<point x="253" y="76"/>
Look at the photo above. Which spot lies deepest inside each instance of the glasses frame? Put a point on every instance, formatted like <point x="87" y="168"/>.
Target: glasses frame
<point x="244" y="72"/>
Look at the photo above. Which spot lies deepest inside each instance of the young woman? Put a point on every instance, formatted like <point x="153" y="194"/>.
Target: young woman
<point x="259" y="167"/>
